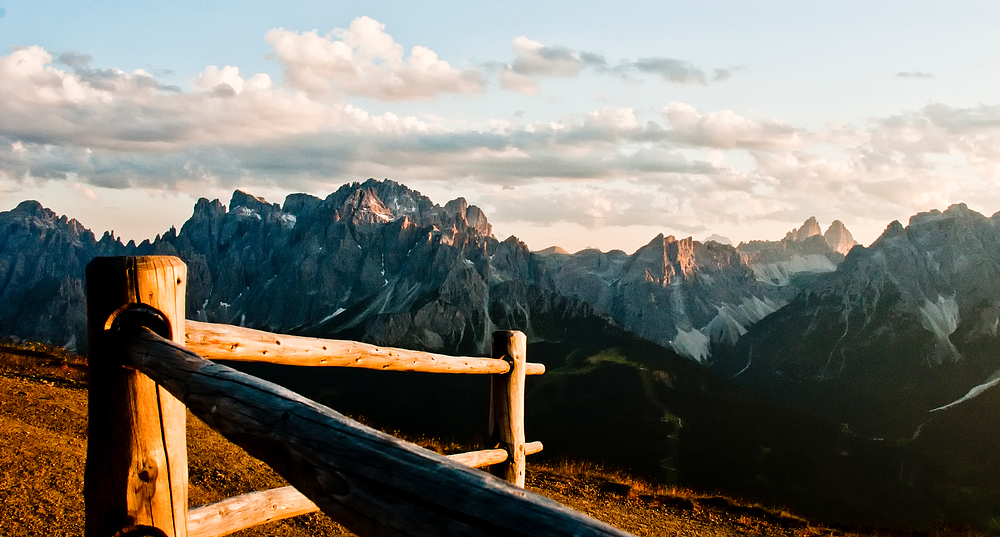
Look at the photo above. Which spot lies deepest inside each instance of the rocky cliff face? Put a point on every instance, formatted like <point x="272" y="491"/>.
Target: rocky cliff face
<point x="803" y="254"/>
<point x="382" y="263"/>
<point x="839" y="238"/>
<point x="374" y="258"/>
<point x="902" y="327"/>
<point x="42" y="261"/>
<point x="697" y="298"/>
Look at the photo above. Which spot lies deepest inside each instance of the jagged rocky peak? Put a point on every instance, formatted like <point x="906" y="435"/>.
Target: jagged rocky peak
<point x="719" y="239"/>
<point x="33" y="208"/>
<point x="472" y="216"/>
<point x="38" y="217"/>
<point x="476" y="219"/>
<point x="208" y="209"/>
<point x="35" y="213"/>
<point x="894" y="229"/>
<point x="363" y="206"/>
<point x="839" y="238"/>
<point x="243" y="199"/>
<point x="681" y="253"/>
<point x="552" y="250"/>
<point x="809" y="228"/>
<point x="301" y="204"/>
<point x="664" y="259"/>
<point x="958" y="210"/>
<point x="456" y="208"/>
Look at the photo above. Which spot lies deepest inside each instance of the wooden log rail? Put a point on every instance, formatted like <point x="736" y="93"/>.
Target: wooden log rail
<point x="226" y="342"/>
<point x="255" y="508"/>
<point x="373" y="483"/>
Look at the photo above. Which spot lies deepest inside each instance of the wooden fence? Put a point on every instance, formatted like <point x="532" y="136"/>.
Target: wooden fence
<point x="147" y="363"/>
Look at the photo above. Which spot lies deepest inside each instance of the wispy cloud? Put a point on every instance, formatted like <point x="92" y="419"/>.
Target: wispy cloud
<point x="534" y="61"/>
<point x="914" y="74"/>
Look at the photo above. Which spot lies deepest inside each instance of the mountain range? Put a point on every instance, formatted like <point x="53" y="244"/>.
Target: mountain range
<point x="851" y="383"/>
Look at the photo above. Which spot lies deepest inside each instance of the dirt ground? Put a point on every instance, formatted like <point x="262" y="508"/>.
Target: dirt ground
<point x="43" y="419"/>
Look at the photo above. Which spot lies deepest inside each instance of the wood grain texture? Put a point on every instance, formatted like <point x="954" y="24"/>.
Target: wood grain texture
<point x="136" y="471"/>
<point x="227" y="342"/>
<point x="246" y="511"/>
<point x="507" y="405"/>
<point x="252" y="509"/>
<point x="372" y="483"/>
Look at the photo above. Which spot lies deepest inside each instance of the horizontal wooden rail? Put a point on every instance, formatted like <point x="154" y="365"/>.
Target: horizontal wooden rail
<point x="255" y="508"/>
<point x="246" y="511"/>
<point x="227" y="342"/>
<point x="487" y="457"/>
<point x="372" y="483"/>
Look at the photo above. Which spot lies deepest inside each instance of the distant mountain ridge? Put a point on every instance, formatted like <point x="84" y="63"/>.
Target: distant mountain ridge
<point x="890" y="347"/>
<point x="365" y="256"/>
<point x="697" y="297"/>
<point x="907" y="322"/>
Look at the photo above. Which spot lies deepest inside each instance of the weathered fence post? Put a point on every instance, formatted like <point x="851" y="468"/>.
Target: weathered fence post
<point x="507" y="405"/>
<point x="136" y="472"/>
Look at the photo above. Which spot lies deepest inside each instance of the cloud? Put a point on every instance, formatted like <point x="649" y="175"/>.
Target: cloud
<point x="364" y="60"/>
<point x="671" y="70"/>
<point x="516" y="82"/>
<point x="85" y="191"/>
<point x="75" y="60"/>
<point x="534" y="61"/>
<point x="914" y="74"/>
<point x="726" y="130"/>
<point x="65" y="120"/>
<point x="226" y="82"/>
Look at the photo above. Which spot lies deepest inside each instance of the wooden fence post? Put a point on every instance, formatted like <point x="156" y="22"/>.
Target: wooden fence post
<point x="507" y="405"/>
<point x="136" y="472"/>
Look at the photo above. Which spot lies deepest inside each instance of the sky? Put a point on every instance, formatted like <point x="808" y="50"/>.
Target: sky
<point x="578" y="124"/>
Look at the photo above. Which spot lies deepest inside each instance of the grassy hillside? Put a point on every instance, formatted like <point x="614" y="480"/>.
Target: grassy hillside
<point x="42" y="456"/>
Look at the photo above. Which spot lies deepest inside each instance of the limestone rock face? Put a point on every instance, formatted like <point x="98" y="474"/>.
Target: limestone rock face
<point x="809" y="228"/>
<point x="900" y="328"/>
<point x="42" y="261"/>
<point x="797" y="259"/>
<point x="680" y="293"/>
<point x="376" y="259"/>
<point x="839" y="238"/>
<point x="379" y="262"/>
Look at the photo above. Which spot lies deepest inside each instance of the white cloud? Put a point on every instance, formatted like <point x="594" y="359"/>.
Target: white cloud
<point x="227" y="81"/>
<point x="725" y="129"/>
<point x="364" y="60"/>
<point x="614" y="166"/>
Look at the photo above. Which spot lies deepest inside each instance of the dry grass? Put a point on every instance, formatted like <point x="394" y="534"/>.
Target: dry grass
<point x="42" y="455"/>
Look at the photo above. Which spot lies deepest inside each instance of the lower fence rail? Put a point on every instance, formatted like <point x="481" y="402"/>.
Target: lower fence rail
<point x="372" y="483"/>
<point x="260" y="507"/>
